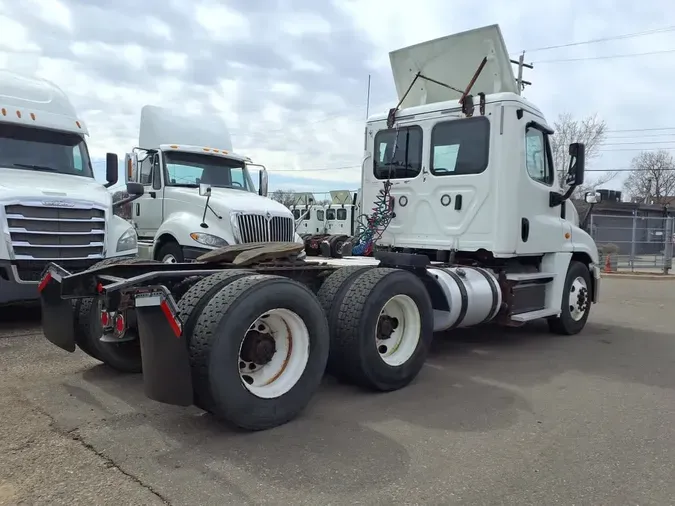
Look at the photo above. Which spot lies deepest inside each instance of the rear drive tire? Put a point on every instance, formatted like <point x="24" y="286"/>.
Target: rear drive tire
<point x="123" y="357"/>
<point x="240" y="376"/>
<point x="576" y="301"/>
<point x="330" y="297"/>
<point x="383" y="330"/>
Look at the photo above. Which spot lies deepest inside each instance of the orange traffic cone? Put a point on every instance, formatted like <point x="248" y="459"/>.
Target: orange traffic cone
<point x="608" y="264"/>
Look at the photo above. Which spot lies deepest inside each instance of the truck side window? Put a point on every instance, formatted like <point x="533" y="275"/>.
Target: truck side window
<point x="77" y="159"/>
<point x="536" y="157"/>
<point x="460" y="146"/>
<point x="398" y="153"/>
<point x="319" y="214"/>
<point x="296" y="214"/>
<point x="341" y="214"/>
<point x="146" y="171"/>
<point x="330" y="214"/>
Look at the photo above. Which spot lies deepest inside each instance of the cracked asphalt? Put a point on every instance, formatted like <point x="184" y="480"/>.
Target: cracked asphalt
<point x="497" y="417"/>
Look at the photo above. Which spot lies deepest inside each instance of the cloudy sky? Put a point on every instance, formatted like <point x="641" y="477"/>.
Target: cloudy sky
<point x="290" y="76"/>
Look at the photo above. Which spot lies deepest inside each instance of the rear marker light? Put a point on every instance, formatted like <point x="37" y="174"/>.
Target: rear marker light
<point x="105" y="319"/>
<point x="99" y="288"/>
<point x="119" y="324"/>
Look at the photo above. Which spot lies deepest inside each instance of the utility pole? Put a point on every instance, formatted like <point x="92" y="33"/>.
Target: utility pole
<point x="521" y="64"/>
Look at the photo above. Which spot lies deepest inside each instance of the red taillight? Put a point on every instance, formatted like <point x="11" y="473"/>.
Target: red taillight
<point x="119" y="324"/>
<point x="105" y="319"/>
<point x="99" y="288"/>
<point x="44" y="281"/>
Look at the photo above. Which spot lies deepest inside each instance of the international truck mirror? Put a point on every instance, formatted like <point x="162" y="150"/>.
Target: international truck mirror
<point x="111" y="169"/>
<point x="204" y="189"/>
<point x="575" y="173"/>
<point x="135" y="188"/>
<point x="130" y="166"/>
<point x="263" y="181"/>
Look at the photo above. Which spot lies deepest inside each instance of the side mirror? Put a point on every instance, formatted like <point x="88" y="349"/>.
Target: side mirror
<point x="204" y="189"/>
<point x="111" y="169"/>
<point x="263" y="182"/>
<point x="130" y="166"/>
<point x="592" y="197"/>
<point x="575" y="173"/>
<point x="135" y="189"/>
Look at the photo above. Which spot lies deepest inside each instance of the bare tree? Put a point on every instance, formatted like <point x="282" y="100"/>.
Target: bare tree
<point x="591" y="131"/>
<point x="652" y="177"/>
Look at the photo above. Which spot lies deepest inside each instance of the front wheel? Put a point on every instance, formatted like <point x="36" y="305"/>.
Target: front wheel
<point x="576" y="301"/>
<point x="170" y="253"/>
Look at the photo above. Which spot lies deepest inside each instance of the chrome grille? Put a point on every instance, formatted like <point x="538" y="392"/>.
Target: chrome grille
<point x="55" y="233"/>
<point x="260" y="228"/>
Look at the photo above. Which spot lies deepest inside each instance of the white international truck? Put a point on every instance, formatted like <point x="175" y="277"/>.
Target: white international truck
<point x="199" y="195"/>
<point x="470" y="226"/>
<point x="51" y="208"/>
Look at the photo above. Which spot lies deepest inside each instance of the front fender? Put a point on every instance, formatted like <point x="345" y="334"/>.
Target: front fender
<point x="180" y="225"/>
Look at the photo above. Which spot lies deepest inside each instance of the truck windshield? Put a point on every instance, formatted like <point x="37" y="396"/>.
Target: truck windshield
<point x="191" y="169"/>
<point x="38" y="149"/>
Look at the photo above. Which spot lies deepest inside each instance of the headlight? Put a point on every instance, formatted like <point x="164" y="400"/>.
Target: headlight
<point x="208" y="240"/>
<point x="128" y="240"/>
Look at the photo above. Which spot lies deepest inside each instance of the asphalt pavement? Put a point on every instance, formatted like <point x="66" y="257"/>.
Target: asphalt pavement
<point x="497" y="416"/>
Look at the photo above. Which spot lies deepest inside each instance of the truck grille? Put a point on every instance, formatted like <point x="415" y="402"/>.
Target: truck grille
<point x="55" y="233"/>
<point x="260" y="228"/>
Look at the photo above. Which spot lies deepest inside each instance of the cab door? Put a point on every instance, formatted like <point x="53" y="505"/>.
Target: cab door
<point x="148" y="213"/>
<point x="541" y="226"/>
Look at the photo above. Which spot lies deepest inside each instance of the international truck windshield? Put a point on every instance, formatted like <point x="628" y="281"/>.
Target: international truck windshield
<point x="191" y="169"/>
<point x="41" y="150"/>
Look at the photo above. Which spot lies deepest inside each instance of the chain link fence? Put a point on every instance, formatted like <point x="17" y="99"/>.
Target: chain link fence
<point x="634" y="242"/>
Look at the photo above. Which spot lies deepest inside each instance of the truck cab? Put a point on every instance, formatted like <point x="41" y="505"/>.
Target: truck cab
<point x="469" y="178"/>
<point x="199" y="195"/>
<point x="51" y="207"/>
<point x="462" y="168"/>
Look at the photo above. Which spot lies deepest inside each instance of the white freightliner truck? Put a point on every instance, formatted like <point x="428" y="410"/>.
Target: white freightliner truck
<point x="199" y="195"/>
<point x="471" y="227"/>
<point x="51" y="208"/>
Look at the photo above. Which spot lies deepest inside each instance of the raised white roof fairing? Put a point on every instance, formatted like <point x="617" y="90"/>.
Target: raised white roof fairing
<point x="453" y="60"/>
<point x="161" y="125"/>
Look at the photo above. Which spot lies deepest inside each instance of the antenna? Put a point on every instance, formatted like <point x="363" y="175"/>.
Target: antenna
<point x="521" y="63"/>
<point x="368" y="99"/>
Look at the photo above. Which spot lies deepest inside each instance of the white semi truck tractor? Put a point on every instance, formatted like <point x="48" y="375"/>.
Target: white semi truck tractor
<point x="469" y="226"/>
<point x="199" y="195"/>
<point x="51" y="207"/>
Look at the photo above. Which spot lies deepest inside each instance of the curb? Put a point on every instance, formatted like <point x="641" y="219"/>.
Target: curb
<point x="635" y="275"/>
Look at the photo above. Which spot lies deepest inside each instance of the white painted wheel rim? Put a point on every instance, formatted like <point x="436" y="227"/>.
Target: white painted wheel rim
<point x="401" y="345"/>
<point x="578" y="298"/>
<point x="169" y="259"/>
<point x="291" y="341"/>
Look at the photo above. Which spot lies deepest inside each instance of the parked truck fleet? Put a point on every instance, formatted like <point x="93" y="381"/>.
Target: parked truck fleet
<point x="465" y="219"/>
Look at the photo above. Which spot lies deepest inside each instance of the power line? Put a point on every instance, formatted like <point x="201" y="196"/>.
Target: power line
<point x="638" y="142"/>
<point x="605" y="39"/>
<point x="641" y="129"/>
<point x="607" y="57"/>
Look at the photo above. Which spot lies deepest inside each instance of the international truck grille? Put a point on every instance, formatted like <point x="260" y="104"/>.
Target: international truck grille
<point x="55" y="233"/>
<point x="262" y="228"/>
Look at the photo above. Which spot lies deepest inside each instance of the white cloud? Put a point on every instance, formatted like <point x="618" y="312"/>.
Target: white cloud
<point x="290" y="80"/>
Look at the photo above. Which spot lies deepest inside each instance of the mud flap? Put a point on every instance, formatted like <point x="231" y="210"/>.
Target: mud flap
<point x="167" y="375"/>
<point x="58" y="319"/>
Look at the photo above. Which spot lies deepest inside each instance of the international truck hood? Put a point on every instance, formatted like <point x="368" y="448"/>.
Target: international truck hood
<point x="226" y="200"/>
<point x="22" y="184"/>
